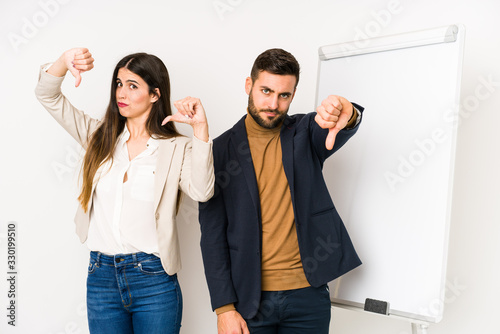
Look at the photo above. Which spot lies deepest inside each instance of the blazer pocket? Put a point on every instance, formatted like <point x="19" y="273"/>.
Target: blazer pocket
<point x="322" y="211"/>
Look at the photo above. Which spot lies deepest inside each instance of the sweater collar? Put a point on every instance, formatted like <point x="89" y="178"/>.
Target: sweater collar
<point x="255" y="130"/>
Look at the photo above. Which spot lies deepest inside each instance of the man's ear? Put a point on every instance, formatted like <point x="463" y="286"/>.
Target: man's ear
<point x="293" y="94"/>
<point x="248" y="85"/>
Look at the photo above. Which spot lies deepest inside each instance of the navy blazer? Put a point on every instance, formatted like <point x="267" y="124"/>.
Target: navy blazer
<point x="231" y="223"/>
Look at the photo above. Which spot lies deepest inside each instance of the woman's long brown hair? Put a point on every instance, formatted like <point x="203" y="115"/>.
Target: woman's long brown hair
<point x="102" y="142"/>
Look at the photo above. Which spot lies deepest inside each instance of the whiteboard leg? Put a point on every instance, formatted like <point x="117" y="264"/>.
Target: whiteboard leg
<point x="419" y="328"/>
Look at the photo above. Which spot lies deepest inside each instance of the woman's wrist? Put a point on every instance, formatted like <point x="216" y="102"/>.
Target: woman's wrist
<point x="58" y="69"/>
<point x="200" y="131"/>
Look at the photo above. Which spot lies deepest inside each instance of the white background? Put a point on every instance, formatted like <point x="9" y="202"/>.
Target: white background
<point x="209" y="47"/>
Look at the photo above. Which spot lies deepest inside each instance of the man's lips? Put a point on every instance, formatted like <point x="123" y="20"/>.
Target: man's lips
<point x="270" y="113"/>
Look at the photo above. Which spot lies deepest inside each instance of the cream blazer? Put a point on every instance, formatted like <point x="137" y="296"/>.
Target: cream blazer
<point x="183" y="165"/>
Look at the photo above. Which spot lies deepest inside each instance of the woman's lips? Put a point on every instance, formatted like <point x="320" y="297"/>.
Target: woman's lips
<point x="122" y="105"/>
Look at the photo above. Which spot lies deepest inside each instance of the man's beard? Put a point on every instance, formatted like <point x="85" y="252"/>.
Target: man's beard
<point x="268" y="124"/>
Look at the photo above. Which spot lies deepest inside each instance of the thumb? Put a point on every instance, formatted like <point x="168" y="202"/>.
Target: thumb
<point x="77" y="75"/>
<point x="330" y="139"/>
<point x="78" y="79"/>
<point x="166" y="120"/>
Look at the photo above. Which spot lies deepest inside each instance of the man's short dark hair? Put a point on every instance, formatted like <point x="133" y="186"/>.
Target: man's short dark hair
<point x="276" y="61"/>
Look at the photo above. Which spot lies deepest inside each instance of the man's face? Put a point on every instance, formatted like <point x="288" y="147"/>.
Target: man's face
<point x="269" y="98"/>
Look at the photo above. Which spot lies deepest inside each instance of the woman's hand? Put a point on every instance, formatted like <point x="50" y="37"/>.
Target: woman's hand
<point x="191" y="111"/>
<point x="76" y="60"/>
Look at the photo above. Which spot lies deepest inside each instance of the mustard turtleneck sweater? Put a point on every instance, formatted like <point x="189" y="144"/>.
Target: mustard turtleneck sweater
<point x="281" y="263"/>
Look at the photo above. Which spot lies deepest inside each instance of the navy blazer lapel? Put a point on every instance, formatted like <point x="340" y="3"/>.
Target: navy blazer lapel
<point x="240" y="144"/>
<point x="287" y="135"/>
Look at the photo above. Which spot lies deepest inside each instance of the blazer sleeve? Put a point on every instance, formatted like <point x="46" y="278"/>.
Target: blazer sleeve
<point x="215" y="251"/>
<point x="79" y="125"/>
<point x="197" y="174"/>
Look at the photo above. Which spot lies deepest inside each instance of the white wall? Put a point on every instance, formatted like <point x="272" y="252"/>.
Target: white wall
<point x="208" y="47"/>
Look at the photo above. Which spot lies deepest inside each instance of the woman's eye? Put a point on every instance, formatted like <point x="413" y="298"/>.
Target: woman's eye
<point x="119" y="84"/>
<point x="132" y="86"/>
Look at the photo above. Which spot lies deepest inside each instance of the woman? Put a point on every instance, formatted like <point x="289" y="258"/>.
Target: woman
<point x="134" y="168"/>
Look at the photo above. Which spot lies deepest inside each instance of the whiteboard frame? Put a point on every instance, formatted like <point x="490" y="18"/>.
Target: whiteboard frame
<point x="447" y="34"/>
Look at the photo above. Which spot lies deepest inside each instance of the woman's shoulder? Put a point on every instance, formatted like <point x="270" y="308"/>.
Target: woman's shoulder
<point x="177" y="140"/>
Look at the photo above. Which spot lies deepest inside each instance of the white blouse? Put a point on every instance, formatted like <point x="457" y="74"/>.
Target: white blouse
<point x="122" y="215"/>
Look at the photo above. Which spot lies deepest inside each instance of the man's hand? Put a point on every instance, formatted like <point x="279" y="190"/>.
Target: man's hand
<point x="231" y="322"/>
<point x="333" y="114"/>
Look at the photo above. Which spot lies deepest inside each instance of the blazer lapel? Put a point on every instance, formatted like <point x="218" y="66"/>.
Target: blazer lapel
<point x="166" y="151"/>
<point x="244" y="156"/>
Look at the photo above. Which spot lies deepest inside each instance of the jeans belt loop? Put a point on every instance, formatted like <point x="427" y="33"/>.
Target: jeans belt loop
<point x="98" y="259"/>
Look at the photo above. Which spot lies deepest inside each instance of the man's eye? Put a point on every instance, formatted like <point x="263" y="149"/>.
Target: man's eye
<point x="285" y="96"/>
<point x="265" y="91"/>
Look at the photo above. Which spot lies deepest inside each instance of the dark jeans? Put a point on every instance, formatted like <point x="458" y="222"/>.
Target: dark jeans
<point x="132" y="294"/>
<point x="300" y="311"/>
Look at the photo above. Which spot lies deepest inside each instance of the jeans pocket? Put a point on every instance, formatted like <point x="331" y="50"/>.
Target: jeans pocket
<point x="151" y="267"/>
<point x="92" y="267"/>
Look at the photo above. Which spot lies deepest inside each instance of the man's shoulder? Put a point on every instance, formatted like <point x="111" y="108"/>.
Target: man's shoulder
<point x="223" y="137"/>
<point x="226" y="135"/>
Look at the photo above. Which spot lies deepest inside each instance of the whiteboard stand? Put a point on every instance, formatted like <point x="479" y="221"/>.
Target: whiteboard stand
<point x="417" y="326"/>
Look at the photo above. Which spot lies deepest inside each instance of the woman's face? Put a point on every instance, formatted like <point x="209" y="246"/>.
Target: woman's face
<point x="132" y="95"/>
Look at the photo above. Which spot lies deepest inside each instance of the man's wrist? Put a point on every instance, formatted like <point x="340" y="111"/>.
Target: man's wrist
<point x="225" y="308"/>
<point x="354" y="117"/>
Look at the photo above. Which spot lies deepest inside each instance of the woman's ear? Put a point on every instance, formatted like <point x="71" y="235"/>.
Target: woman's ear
<point x="155" y="96"/>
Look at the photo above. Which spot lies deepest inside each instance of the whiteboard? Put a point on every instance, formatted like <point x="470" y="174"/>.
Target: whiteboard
<point x="392" y="182"/>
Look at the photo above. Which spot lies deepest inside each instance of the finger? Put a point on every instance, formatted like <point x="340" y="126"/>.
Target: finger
<point x="83" y="65"/>
<point x="189" y="105"/>
<point x="324" y="124"/>
<point x="81" y="51"/>
<point x="186" y="106"/>
<point x="180" y="106"/>
<point x="331" y="109"/>
<point x="335" y="101"/>
<point x="330" y="139"/>
<point x="325" y="116"/>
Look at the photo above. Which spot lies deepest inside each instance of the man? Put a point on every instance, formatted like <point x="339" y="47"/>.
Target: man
<point x="271" y="237"/>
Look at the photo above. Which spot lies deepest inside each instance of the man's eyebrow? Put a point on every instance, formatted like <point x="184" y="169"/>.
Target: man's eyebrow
<point x="273" y="91"/>
<point x="269" y="89"/>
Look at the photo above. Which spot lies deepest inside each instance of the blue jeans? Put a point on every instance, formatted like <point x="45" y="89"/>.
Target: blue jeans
<point x="300" y="311"/>
<point x="132" y="294"/>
